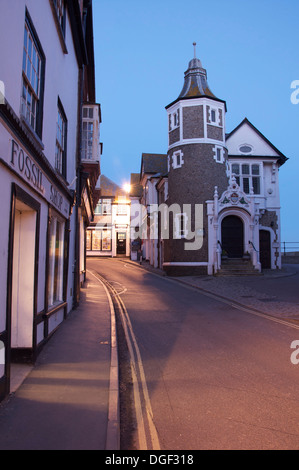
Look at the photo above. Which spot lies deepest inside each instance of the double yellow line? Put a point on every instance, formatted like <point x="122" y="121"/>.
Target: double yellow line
<point x="146" y="430"/>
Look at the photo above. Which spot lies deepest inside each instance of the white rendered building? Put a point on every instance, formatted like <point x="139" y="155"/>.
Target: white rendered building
<point x="46" y="183"/>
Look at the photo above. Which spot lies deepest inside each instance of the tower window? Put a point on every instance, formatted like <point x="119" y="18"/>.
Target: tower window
<point x="181" y="226"/>
<point x="218" y="154"/>
<point x="214" y="116"/>
<point x="177" y="159"/>
<point x="174" y="120"/>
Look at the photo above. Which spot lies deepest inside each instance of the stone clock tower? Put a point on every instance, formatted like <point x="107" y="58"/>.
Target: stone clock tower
<point x="197" y="162"/>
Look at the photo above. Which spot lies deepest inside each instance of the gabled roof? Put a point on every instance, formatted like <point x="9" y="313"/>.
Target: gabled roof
<point x="269" y="150"/>
<point x="154" y="164"/>
<point x="110" y="189"/>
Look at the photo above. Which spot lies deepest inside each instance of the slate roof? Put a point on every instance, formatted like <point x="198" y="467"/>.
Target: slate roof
<point x="154" y="163"/>
<point x="110" y="189"/>
<point x="136" y="187"/>
<point x="196" y="84"/>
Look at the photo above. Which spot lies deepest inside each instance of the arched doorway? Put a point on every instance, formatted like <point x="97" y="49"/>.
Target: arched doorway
<point x="265" y="249"/>
<point x="232" y="231"/>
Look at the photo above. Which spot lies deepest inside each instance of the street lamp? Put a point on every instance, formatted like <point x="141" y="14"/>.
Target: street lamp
<point x="127" y="188"/>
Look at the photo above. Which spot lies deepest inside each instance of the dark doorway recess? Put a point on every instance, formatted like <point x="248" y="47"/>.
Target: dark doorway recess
<point x="233" y="236"/>
<point x="265" y="249"/>
<point x="121" y="243"/>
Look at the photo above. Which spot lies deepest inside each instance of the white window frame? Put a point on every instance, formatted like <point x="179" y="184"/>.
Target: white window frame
<point x="239" y="177"/>
<point x="122" y="209"/>
<point x="218" y="149"/>
<point x="217" y="121"/>
<point x="105" y="202"/>
<point x="175" y="163"/>
<point x="174" y="120"/>
<point x="246" y="145"/>
<point x="181" y="219"/>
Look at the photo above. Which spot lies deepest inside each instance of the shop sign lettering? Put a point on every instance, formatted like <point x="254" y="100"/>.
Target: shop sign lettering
<point x="56" y="198"/>
<point x="26" y="166"/>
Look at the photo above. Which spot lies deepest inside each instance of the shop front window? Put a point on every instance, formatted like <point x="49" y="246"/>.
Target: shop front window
<point x="106" y="240"/>
<point x="56" y="250"/>
<point x="98" y="240"/>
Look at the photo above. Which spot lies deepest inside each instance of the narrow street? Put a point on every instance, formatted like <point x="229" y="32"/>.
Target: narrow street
<point x="217" y="377"/>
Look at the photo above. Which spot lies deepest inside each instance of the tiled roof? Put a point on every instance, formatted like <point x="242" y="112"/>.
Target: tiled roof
<point x="136" y="187"/>
<point x="109" y="188"/>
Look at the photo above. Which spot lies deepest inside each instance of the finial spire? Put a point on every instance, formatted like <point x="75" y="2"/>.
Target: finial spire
<point x="194" y="45"/>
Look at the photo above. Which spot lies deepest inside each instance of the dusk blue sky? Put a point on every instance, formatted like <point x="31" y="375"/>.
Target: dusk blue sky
<point x="250" y="50"/>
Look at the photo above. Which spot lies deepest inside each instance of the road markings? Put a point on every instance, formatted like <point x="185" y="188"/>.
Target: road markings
<point x="142" y="404"/>
<point x="149" y="412"/>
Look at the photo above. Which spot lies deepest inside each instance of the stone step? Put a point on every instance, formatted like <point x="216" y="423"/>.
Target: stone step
<point x="237" y="267"/>
<point x="234" y="261"/>
<point x="238" y="273"/>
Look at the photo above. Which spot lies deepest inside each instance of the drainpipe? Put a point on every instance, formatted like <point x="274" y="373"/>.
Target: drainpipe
<point x="76" y="270"/>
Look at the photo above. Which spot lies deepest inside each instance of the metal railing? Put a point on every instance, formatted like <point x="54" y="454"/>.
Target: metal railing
<point x="288" y="248"/>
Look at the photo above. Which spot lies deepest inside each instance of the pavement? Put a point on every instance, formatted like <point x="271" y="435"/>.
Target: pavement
<point x="69" y="399"/>
<point x="65" y="402"/>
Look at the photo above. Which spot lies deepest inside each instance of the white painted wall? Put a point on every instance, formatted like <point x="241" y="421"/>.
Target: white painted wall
<point x="246" y="135"/>
<point x="61" y="80"/>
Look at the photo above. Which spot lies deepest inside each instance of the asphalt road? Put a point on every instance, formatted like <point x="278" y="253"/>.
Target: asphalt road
<point x="218" y="377"/>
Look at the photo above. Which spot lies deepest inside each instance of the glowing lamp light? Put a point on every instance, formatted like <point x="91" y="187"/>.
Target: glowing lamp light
<point x="127" y="187"/>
